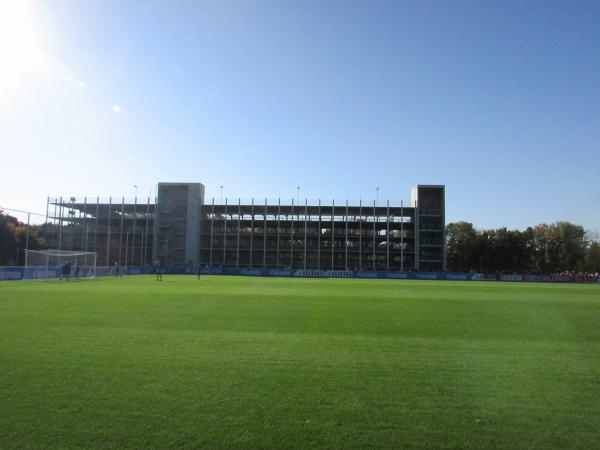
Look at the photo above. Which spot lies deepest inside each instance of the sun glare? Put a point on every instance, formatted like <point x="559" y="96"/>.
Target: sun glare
<point x="20" y="52"/>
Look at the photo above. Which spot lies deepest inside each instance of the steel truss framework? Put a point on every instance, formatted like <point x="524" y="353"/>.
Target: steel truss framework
<point x="326" y="237"/>
<point x="119" y="230"/>
<point x="259" y="234"/>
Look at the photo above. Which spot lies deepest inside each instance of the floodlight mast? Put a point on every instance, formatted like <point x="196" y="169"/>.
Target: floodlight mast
<point x="27" y="238"/>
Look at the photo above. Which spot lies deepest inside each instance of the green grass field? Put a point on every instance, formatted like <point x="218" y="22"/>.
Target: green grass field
<point x="243" y="362"/>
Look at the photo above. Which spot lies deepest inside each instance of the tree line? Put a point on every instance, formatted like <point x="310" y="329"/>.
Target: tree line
<point x="13" y="240"/>
<point x="543" y="249"/>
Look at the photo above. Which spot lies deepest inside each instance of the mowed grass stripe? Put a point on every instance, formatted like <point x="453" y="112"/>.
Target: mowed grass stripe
<point x="264" y="362"/>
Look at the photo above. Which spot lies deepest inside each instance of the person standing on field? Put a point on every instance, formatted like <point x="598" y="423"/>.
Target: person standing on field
<point x="158" y="270"/>
<point x="68" y="270"/>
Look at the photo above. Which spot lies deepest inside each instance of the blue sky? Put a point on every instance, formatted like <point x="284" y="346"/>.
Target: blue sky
<point x="499" y="101"/>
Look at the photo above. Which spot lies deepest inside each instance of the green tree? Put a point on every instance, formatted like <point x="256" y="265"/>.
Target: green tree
<point x="565" y="247"/>
<point x="461" y="247"/>
<point x="591" y="261"/>
<point x="539" y="249"/>
<point x="8" y="241"/>
<point x="13" y="239"/>
<point x="504" y="250"/>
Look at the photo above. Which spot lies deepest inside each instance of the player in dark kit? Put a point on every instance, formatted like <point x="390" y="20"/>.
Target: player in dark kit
<point x="158" y="270"/>
<point x="67" y="271"/>
<point x="76" y="274"/>
<point x="198" y="272"/>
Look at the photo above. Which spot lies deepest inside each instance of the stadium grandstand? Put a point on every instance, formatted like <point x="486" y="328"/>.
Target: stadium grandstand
<point x="183" y="231"/>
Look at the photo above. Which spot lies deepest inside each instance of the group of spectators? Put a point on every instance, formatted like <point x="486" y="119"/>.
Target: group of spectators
<point x="563" y="277"/>
<point x="576" y="276"/>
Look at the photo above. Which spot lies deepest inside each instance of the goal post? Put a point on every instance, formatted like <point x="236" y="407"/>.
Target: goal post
<point x="44" y="264"/>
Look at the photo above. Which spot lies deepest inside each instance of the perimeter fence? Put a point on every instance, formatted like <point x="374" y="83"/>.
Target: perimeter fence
<point x="42" y="272"/>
